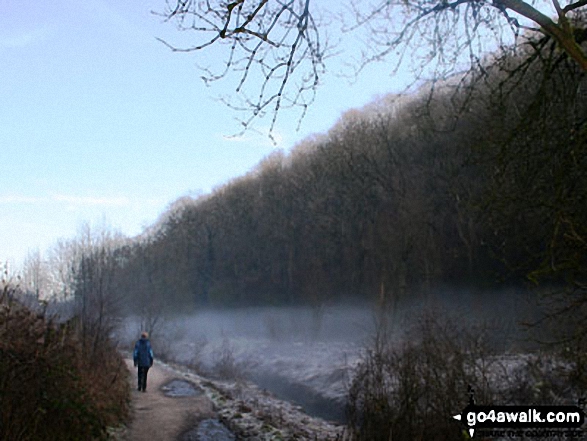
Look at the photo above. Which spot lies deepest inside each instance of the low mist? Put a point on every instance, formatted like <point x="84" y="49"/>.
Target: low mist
<point x="307" y="354"/>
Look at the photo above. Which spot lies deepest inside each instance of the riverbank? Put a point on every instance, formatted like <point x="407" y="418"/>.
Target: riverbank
<point x="245" y="410"/>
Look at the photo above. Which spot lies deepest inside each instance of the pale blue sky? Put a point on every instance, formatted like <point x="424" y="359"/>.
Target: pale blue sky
<point x="100" y="120"/>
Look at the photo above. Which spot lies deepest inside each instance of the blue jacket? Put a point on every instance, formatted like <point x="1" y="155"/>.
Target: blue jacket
<point x="143" y="354"/>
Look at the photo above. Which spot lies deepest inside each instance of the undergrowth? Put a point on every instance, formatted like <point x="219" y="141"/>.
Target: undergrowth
<point x="407" y="387"/>
<point x="51" y="388"/>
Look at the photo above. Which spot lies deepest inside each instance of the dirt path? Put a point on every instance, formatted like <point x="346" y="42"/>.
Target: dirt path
<point x="157" y="417"/>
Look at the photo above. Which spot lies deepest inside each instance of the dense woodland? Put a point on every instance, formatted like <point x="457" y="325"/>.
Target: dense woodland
<point x="475" y="182"/>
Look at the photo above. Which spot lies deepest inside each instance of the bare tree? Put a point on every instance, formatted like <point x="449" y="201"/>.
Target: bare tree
<point x="61" y="262"/>
<point x="277" y="49"/>
<point x="35" y="275"/>
<point x="97" y="300"/>
<point x="443" y="34"/>
<point x="271" y="43"/>
<point x="151" y="295"/>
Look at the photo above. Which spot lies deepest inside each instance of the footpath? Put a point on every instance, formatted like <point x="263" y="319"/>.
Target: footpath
<point x="165" y="413"/>
<point x="182" y="406"/>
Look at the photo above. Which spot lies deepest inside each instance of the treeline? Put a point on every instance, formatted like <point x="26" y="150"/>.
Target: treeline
<point x="472" y="182"/>
<point x="475" y="182"/>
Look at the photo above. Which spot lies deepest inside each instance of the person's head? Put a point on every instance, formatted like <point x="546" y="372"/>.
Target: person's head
<point x="144" y="334"/>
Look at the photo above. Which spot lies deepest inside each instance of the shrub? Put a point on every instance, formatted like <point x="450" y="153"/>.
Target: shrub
<point x="408" y="389"/>
<point x="225" y="364"/>
<point x="49" y="388"/>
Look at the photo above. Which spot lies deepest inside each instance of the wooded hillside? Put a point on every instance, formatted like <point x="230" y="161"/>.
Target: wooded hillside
<point x="475" y="182"/>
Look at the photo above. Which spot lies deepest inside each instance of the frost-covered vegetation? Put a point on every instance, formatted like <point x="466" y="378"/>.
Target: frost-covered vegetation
<point x="407" y="386"/>
<point x="303" y="354"/>
<point x="254" y="413"/>
<point x="298" y="353"/>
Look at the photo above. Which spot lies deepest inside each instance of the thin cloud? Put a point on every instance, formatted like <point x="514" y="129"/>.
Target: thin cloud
<point x="20" y="200"/>
<point x="24" y="39"/>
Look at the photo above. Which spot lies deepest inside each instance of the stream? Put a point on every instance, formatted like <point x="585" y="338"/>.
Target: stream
<point x="312" y="403"/>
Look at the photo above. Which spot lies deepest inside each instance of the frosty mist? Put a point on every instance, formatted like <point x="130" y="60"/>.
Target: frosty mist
<point x="313" y="348"/>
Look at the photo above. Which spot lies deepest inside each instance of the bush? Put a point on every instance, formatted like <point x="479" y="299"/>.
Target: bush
<point x="49" y="388"/>
<point x="197" y="351"/>
<point x="225" y="364"/>
<point x="407" y="390"/>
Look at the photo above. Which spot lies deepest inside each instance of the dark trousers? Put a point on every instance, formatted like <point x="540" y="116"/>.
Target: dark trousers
<point x="143" y="377"/>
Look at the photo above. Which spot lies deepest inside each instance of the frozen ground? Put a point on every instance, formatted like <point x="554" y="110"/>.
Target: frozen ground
<point x="252" y="413"/>
<point x="312" y="375"/>
<point x="301" y="355"/>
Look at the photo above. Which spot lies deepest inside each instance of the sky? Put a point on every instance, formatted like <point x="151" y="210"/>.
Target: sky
<point x="101" y="122"/>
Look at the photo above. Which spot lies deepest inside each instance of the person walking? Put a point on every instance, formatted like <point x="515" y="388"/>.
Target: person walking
<point x="143" y="359"/>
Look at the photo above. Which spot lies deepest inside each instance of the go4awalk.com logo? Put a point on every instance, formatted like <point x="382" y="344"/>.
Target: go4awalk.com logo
<point x="512" y="420"/>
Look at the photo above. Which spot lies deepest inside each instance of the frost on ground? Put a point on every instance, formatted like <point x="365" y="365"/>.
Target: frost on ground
<point x="299" y="354"/>
<point x="252" y="413"/>
<point x="321" y="367"/>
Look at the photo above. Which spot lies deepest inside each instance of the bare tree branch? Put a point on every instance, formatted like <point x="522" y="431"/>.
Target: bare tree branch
<point x="562" y="33"/>
<point x="575" y="5"/>
<point x="274" y="46"/>
<point x="275" y="50"/>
